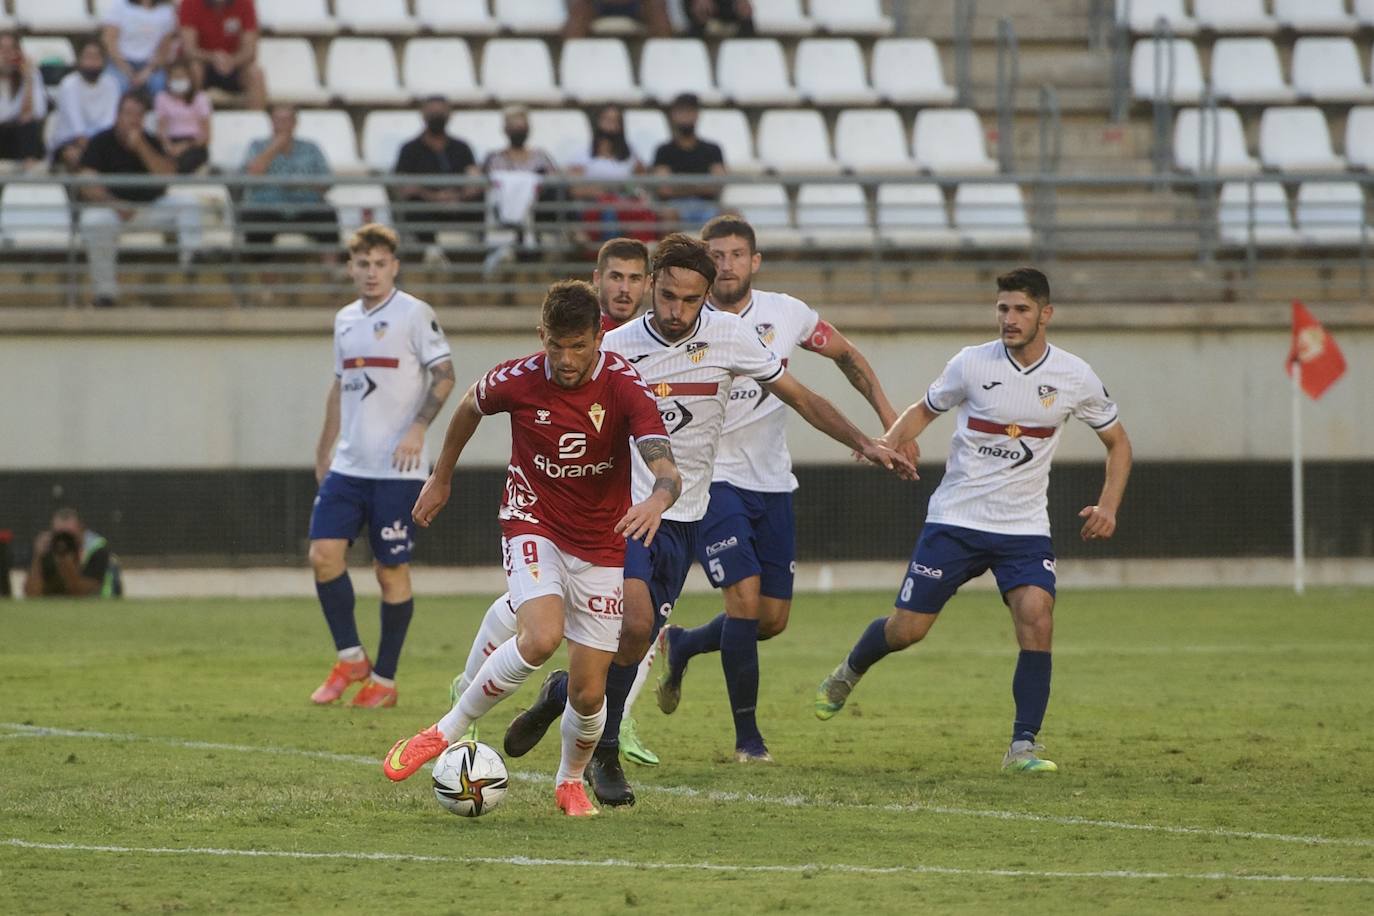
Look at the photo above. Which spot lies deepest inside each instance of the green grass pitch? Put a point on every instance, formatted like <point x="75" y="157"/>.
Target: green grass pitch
<point x="1216" y="748"/>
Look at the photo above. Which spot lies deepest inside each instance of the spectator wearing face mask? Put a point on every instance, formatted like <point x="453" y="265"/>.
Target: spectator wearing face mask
<point x="183" y="119"/>
<point x="424" y="208"/>
<point x="687" y="154"/>
<point x="621" y="207"/>
<point x="517" y="174"/>
<point x="23" y="104"/>
<point x="87" y="99"/>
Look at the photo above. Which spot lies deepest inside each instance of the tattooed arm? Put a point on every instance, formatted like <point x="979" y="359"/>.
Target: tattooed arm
<point x="412" y="444"/>
<point x="829" y="342"/>
<point x="642" y="521"/>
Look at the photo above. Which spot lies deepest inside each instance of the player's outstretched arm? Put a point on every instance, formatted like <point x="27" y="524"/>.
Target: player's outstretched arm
<point x="830" y="343"/>
<point x="910" y="424"/>
<point x="410" y="449"/>
<point x="826" y="417"/>
<point x="324" y="449"/>
<point x="1101" y="518"/>
<point x="434" y="495"/>
<point x="642" y="521"/>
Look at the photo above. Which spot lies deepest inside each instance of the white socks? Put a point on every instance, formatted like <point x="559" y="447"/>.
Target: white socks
<point x="498" y="625"/>
<point x="641" y="677"/>
<point x="355" y="654"/>
<point x="500" y="675"/>
<point x="580" y="734"/>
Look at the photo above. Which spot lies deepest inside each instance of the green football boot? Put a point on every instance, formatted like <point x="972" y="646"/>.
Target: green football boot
<point x="633" y="748"/>
<point x="833" y="692"/>
<point x="1021" y="758"/>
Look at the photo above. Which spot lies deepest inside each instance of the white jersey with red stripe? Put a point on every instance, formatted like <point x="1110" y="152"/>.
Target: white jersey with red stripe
<point x="753" y="443"/>
<point x="692" y="380"/>
<point x="382" y="358"/>
<point x="1007" y="428"/>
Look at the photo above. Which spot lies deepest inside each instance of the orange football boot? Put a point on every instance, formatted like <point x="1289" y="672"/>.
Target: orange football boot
<point x="374" y="696"/>
<point x="572" y="799"/>
<point x="409" y="754"/>
<point x="340" y="676"/>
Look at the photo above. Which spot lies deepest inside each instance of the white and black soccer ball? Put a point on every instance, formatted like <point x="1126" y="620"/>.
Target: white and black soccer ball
<point x="470" y="779"/>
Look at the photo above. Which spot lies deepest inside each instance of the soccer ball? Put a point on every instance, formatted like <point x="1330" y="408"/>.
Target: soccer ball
<point x="470" y="779"/>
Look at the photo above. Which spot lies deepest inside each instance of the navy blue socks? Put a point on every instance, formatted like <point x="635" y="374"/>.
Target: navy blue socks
<point x="1030" y="688"/>
<point x="698" y="640"/>
<point x="336" y="600"/>
<point x="871" y="647"/>
<point x="395" y="622"/>
<point x="619" y="680"/>
<point x="739" y="657"/>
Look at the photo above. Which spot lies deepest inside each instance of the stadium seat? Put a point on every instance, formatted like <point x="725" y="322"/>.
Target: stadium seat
<point x="519" y="70"/>
<point x="670" y="66"/>
<point x="292" y="74"/>
<point x="1297" y="140"/>
<point x="68" y="16"/>
<point x="913" y="216"/>
<point x="1272" y="224"/>
<point x="441" y="66"/>
<point x="1234" y="17"/>
<point x="1247" y="70"/>
<point x="767" y="209"/>
<point x="296" y="17"/>
<point x="1315" y="16"/>
<point x="362" y="71"/>
<point x="1199" y="143"/>
<point x="1187" y="84"/>
<point x="230" y="134"/>
<point x="1359" y="137"/>
<point x="384" y="133"/>
<point x="906" y="71"/>
<point x="533" y="17"/>
<point x="456" y="17"/>
<point x="834" y="216"/>
<point x="950" y="142"/>
<point x="597" y="70"/>
<point x="795" y="141"/>
<point x="872" y="140"/>
<point x="376" y="17"/>
<point x="35" y="216"/>
<point x="645" y="130"/>
<point x="48" y="49"/>
<point x="781" y="17"/>
<point x="729" y="128"/>
<point x="1141" y="15"/>
<point x="1332" y="213"/>
<point x="851" y="17"/>
<point x="752" y="71"/>
<point x="358" y="204"/>
<point x="1364" y="11"/>
<point x="991" y="216"/>
<point x="216" y="212"/>
<point x="565" y="134"/>
<point x="1328" y="70"/>
<point x="333" y="132"/>
<point x="484" y="131"/>
<point x="830" y="71"/>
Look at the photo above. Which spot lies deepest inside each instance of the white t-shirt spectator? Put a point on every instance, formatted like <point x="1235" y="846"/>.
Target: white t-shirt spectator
<point x="84" y="109"/>
<point x="141" y="29"/>
<point x="12" y="98"/>
<point x="604" y="168"/>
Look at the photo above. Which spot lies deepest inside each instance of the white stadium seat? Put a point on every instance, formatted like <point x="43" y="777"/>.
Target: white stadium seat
<point x="729" y="129"/>
<point x="230" y="134"/>
<point x="54" y="15"/>
<point x="1315" y="16"/>
<point x="456" y="17"/>
<point x="834" y="215"/>
<point x="851" y="17"/>
<point x="597" y="70"/>
<point x="484" y="131"/>
<point x="991" y="215"/>
<point x="533" y="17"/>
<point x="767" y="209"/>
<point x="384" y="133"/>
<point x="872" y="140"/>
<point x="1359" y="137"/>
<point x="358" y="204"/>
<point x="830" y="71"/>
<point x="1186" y="84"/>
<point x="646" y="129"/>
<point x="565" y="134"/>
<point x="1143" y="14"/>
<point x="35" y="216"/>
<point x="1328" y="70"/>
<point x="1332" y="213"/>
<point x="1297" y="140"/>
<point x="781" y="17"/>
<point x="441" y="66"/>
<point x="795" y="141"/>
<point x="48" y="49"/>
<point x="950" y="142"/>
<point x="362" y="71"/>
<point x="1247" y="70"/>
<point x="1364" y="11"/>
<point x="1235" y="17"/>
<point x="913" y="216"/>
<point x="1200" y="142"/>
<point x="333" y="132"/>
<point x="296" y="17"/>
<point x="1255" y="211"/>
<point x="519" y="70"/>
<point x="753" y="71"/>
<point x="375" y="17"/>
<point x="906" y="71"/>
<point x="670" y="66"/>
<point x="292" y="73"/>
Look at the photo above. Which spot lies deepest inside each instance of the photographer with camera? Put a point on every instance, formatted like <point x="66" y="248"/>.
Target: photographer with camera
<point x="71" y="560"/>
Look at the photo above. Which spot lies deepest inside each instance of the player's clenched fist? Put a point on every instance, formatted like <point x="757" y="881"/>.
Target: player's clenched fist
<point x="433" y="497"/>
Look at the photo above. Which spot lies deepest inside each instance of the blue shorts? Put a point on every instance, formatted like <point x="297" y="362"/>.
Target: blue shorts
<point x="344" y="504"/>
<point x="947" y="556"/>
<point x="664" y="565"/>
<point x="746" y="533"/>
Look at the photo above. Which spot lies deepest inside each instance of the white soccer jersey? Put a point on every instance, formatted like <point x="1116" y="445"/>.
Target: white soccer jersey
<point x="753" y="444"/>
<point x="692" y="379"/>
<point x="1006" y="430"/>
<point x="382" y="358"/>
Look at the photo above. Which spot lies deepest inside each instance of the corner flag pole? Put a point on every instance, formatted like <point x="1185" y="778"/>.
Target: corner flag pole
<point x="1299" y="570"/>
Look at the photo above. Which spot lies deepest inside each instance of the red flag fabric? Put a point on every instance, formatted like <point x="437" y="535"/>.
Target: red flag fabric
<point x="1315" y="350"/>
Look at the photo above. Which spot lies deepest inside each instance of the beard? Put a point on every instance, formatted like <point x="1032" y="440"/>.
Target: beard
<point x="739" y="292"/>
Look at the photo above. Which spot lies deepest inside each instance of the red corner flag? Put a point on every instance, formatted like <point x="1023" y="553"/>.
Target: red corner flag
<point x="1315" y="349"/>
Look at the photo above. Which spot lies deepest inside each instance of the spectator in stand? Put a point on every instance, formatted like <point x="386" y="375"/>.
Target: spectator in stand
<point x="23" y="104"/>
<point x="220" y="38"/>
<point x="183" y="119"/>
<point x="688" y="154"/>
<point x="621" y="203"/>
<point x="435" y="152"/>
<point x="140" y="38"/>
<point x="737" y="15"/>
<point x="269" y="210"/>
<point x="653" y="13"/>
<point x="87" y="99"/>
<point x="517" y="172"/>
<point x="126" y="149"/>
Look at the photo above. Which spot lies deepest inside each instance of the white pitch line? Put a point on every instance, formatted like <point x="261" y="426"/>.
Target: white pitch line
<point x="812" y="868"/>
<point x="777" y="801"/>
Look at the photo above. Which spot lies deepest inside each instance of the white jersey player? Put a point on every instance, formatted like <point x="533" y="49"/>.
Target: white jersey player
<point x="1012" y="398"/>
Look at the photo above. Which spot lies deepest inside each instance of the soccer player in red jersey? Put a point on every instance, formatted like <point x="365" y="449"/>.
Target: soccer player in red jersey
<point x="564" y="521"/>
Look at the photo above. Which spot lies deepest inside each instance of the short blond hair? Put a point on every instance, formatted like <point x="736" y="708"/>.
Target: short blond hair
<point x="374" y="235"/>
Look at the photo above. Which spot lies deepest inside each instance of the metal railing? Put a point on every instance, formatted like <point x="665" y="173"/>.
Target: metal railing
<point x="1008" y="81"/>
<point x="965" y="11"/>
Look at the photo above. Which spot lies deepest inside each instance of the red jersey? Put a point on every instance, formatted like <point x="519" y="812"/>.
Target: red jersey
<point x="608" y="323"/>
<point x="219" y="28"/>
<point x="569" y="473"/>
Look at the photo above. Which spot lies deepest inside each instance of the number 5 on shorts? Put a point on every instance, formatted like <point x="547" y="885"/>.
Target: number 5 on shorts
<point x="717" y="570"/>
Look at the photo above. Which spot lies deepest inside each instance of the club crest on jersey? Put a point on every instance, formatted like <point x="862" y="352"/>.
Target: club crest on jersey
<point x="696" y="351"/>
<point x="533" y="570"/>
<point x="379" y="329"/>
<point x="597" y="414"/>
<point x="1047" y="394"/>
<point x="766" y="333"/>
<point x="541" y="417"/>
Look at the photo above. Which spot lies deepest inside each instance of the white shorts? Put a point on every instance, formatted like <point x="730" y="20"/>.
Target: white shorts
<point x="593" y="596"/>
